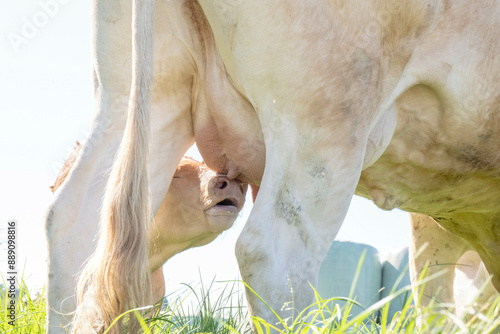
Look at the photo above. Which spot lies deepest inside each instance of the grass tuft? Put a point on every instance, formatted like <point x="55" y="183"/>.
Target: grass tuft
<point x="223" y="312"/>
<point x="29" y="310"/>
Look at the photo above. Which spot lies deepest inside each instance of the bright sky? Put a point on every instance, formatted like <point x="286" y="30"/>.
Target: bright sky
<point x="46" y="105"/>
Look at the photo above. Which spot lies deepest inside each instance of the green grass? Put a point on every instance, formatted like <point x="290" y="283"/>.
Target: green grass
<point x="29" y="311"/>
<point x="324" y="316"/>
<point x="226" y="313"/>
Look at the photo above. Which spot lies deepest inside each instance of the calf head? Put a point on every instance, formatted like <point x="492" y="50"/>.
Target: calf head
<point x="199" y="206"/>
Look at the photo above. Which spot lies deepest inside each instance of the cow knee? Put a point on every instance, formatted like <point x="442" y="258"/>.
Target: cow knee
<point x="250" y="252"/>
<point x="243" y="248"/>
<point x="54" y="225"/>
<point x="49" y="221"/>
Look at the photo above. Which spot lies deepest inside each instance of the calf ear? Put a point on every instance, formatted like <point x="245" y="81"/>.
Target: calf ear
<point x="255" y="191"/>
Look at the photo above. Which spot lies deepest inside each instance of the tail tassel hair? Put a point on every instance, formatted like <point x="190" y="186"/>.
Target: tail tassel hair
<point x="117" y="277"/>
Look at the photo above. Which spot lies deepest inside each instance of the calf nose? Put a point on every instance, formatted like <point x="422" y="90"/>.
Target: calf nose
<point x="221" y="185"/>
<point x="221" y="182"/>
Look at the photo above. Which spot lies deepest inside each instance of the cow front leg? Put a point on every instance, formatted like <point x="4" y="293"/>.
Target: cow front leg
<point x="438" y="252"/>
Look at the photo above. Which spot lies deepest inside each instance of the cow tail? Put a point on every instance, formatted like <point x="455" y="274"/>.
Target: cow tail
<point x="117" y="276"/>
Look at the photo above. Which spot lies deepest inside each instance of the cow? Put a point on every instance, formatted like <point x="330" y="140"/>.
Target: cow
<point x="462" y="280"/>
<point x="311" y="101"/>
<point x="472" y="288"/>
<point x="199" y="205"/>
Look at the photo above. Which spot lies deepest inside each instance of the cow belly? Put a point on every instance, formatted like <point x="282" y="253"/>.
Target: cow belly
<point x="391" y="183"/>
<point x="439" y="161"/>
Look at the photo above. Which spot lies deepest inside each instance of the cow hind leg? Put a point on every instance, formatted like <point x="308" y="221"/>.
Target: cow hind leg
<point x="304" y="196"/>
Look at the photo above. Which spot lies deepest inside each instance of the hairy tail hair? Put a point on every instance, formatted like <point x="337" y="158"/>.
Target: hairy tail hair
<point x="116" y="278"/>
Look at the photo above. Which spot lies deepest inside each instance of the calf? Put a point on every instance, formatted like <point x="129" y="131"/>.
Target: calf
<point x="199" y="205"/>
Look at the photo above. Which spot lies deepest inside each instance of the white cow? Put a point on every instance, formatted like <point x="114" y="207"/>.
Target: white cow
<point x="199" y="205"/>
<point x="397" y="100"/>
<point x="472" y="288"/>
<point x="463" y="282"/>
